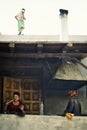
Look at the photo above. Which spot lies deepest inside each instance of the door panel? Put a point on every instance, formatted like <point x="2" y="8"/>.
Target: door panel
<point x="31" y="96"/>
<point x="11" y="85"/>
<point x="30" y="92"/>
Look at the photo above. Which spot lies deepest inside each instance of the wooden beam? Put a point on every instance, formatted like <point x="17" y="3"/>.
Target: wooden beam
<point x="42" y="55"/>
<point x="25" y="67"/>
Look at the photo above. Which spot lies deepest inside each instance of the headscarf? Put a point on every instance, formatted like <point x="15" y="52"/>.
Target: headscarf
<point x="73" y="93"/>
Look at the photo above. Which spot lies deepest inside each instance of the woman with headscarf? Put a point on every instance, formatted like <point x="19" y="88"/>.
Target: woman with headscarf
<point x="73" y="106"/>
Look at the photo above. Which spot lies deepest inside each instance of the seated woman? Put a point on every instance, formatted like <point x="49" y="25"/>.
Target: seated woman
<point x="15" y="106"/>
<point x="73" y="106"/>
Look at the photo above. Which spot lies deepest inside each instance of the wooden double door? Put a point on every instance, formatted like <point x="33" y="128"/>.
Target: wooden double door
<point x="30" y="92"/>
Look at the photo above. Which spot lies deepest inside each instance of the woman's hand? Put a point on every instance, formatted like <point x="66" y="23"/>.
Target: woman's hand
<point x="22" y="107"/>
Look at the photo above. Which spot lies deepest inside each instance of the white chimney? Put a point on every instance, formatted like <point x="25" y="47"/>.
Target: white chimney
<point x="63" y="25"/>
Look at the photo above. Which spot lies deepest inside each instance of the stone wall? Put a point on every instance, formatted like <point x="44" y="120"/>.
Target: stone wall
<point x="31" y="122"/>
<point x="56" y="101"/>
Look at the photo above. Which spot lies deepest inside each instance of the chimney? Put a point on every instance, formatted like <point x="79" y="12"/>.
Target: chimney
<point x="63" y="25"/>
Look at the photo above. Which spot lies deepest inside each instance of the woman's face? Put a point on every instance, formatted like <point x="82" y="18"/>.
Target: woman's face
<point x="22" y="11"/>
<point x="73" y="93"/>
<point x="16" y="97"/>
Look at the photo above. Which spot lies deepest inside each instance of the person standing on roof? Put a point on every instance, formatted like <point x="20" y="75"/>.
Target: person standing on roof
<point x="20" y="18"/>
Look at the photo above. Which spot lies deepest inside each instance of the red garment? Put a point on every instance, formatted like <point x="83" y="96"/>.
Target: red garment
<point x="14" y="108"/>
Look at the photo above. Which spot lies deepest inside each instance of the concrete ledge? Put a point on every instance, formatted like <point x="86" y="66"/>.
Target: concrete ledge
<point x="41" y="38"/>
<point x="28" y="38"/>
<point x="37" y="122"/>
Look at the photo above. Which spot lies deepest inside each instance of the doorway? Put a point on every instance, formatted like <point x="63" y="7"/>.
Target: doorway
<point x="30" y="92"/>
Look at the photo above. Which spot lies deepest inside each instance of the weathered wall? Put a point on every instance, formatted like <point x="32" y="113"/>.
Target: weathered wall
<point x="55" y="102"/>
<point x="29" y="122"/>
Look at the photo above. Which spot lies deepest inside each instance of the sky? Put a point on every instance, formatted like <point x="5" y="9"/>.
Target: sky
<point x="42" y="16"/>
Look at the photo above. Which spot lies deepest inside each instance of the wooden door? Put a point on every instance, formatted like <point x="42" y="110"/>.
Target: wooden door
<point x="30" y="92"/>
<point x="10" y="86"/>
<point x="31" y="95"/>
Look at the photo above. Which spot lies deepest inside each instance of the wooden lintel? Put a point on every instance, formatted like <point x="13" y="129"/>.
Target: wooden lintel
<point x="42" y="55"/>
<point x="7" y="67"/>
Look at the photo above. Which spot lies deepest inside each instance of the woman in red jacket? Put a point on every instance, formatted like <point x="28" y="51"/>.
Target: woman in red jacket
<point x="15" y="106"/>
